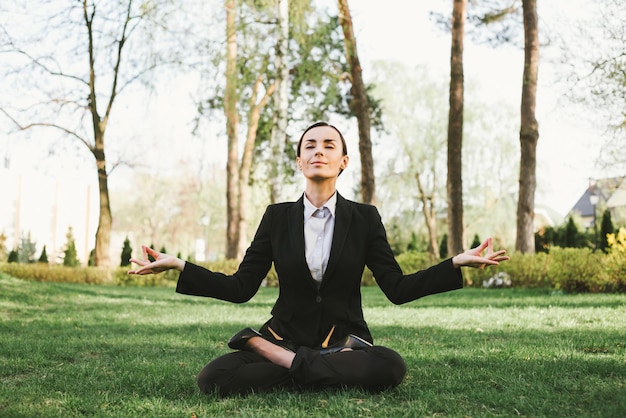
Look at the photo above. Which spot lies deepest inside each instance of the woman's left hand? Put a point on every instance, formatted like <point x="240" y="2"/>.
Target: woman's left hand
<point x="474" y="257"/>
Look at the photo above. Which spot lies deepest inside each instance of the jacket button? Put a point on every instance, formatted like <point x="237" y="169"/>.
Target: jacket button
<point x="318" y="299"/>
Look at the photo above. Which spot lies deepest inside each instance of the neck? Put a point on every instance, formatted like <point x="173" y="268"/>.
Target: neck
<point x="319" y="193"/>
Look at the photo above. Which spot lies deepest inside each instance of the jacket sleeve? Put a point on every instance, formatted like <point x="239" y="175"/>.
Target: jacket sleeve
<point x="401" y="288"/>
<point x="244" y="283"/>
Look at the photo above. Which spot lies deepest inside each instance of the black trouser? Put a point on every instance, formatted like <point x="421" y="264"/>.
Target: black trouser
<point x="374" y="368"/>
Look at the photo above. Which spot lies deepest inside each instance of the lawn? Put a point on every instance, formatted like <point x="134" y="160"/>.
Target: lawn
<point x="85" y="350"/>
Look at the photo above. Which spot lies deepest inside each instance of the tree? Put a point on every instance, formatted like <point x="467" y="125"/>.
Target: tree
<point x="43" y="258"/>
<point x="596" y="76"/>
<point x="70" y="257"/>
<point x="127" y="253"/>
<point x="443" y="247"/>
<point x="27" y="249"/>
<point x="14" y="256"/>
<point x="456" y="230"/>
<point x="232" y="126"/>
<point x="281" y="101"/>
<point x="529" y="133"/>
<point x="359" y="105"/>
<point x="95" y="56"/>
<point x="606" y="228"/>
<point x="572" y="237"/>
<point x="413" y="114"/>
<point x="251" y="81"/>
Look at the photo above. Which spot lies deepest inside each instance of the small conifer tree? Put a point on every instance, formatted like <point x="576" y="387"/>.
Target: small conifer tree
<point x="475" y="241"/>
<point x="443" y="247"/>
<point x="150" y="258"/>
<point x="14" y="257"/>
<point x="43" y="258"/>
<point x="127" y="252"/>
<point x="605" y="228"/>
<point x="26" y="252"/>
<point x="70" y="257"/>
<point x="571" y="234"/>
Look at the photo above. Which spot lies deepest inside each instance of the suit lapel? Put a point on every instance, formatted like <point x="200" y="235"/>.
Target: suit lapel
<point x="343" y="217"/>
<point x="295" y="225"/>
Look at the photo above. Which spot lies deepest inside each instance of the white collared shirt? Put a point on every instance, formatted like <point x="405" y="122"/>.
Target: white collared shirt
<point x="319" y="224"/>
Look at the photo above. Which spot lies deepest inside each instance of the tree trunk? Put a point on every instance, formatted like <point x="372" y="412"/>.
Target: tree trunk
<point x="456" y="230"/>
<point x="359" y="105"/>
<point x="232" y="120"/>
<point x="529" y="133"/>
<point x="105" y="219"/>
<point x="279" y="128"/>
<point x="428" y="208"/>
<point x="246" y="163"/>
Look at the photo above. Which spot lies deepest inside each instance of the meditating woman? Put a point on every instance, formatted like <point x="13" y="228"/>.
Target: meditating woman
<point x="319" y="245"/>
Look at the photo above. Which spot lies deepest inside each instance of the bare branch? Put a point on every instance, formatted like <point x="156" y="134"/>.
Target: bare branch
<point x="48" y="125"/>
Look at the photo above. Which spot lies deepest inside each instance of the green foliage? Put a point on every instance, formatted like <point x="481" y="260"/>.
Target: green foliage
<point x="70" y="257"/>
<point x="127" y="253"/>
<point x="43" y="258"/>
<point x="577" y="270"/>
<point x="150" y="258"/>
<point x="165" y="279"/>
<point x="54" y="273"/>
<point x="571" y="234"/>
<point x="169" y="278"/>
<point x="412" y="245"/>
<point x="27" y="249"/>
<point x="606" y="228"/>
<point x="3" y="247"/>
<point x="564" y="236"/>
<point x="475" y="242"/>
<point x="572" y="270"/>
<point x="443" y="247"/>
<point x="14" y="257"/>
<point x="92" y="258"/>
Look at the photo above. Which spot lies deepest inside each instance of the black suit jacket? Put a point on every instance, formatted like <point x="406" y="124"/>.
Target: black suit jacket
<point x="306" y="313"/>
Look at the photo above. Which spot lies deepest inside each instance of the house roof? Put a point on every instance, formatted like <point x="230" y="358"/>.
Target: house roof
<point x="610" y="191"/>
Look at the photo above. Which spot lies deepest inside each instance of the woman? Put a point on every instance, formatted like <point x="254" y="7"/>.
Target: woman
<point x="319" y="245"/>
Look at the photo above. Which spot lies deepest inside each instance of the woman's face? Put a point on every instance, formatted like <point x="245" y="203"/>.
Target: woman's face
<point x="321" y="154"/>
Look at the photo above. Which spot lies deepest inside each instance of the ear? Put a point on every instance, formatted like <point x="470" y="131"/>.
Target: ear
<point x="344" y="162"/>
<point x="299" y="163"/>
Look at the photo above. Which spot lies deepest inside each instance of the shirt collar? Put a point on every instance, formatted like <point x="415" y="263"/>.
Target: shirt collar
<point x="309" y="208"/>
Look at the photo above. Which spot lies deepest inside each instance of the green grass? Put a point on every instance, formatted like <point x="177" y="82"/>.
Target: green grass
<point x="81" y="350"/>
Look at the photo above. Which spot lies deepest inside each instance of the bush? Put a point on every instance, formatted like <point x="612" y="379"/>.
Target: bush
<point x="127" y="252"/>
<point x="409" y="262"/>
<point x="40" y="272"/>
<point x="566" y="269"/>
<point x="576" y="270"/>
<point x="169" y="278"/>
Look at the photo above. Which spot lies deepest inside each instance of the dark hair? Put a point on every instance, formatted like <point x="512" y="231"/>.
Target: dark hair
<point x="318" y="124"/>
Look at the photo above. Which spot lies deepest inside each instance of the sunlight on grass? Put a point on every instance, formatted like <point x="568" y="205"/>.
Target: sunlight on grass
<point x="79" y="350"/>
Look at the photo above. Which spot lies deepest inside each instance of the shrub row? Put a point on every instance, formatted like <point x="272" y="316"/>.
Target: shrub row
<point x="566" y="269"/>
<point x="41" y="272"/>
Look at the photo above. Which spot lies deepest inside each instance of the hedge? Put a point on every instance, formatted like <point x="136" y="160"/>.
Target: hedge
<point x="565" y="269"/>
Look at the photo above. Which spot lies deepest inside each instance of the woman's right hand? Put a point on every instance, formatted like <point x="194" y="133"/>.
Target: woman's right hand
<point x="162" y="262"/>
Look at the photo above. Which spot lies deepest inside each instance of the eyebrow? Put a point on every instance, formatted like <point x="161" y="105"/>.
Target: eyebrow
<point x="323" y="140"/>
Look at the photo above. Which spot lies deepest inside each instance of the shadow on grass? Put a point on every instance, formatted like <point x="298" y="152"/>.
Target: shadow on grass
<point x="94" y="350"/>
